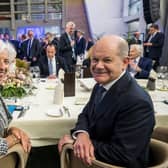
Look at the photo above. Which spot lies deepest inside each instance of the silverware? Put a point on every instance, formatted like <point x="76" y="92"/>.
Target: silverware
<point x="66" y="111"/>
<point x="23" y="112"/>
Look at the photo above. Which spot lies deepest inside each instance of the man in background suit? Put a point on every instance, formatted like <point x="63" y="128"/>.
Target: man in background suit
<point x="139" y="67"/>
<point x="115" y="127"/>
<point x="136" y="38"/>
<point x="80" y="45"/>
<point x="153" y="45"/>
<point x="67" y="45"/>
<point x="31" y="49"/>
<point x="50" y="64"/>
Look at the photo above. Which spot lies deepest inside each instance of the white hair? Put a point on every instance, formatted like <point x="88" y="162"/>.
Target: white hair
<point x="11" y="54"/>
<point x="70" y="23"/>
<point x="3" y="46"/>
<point x="138" y="47"/>
<point x="10" y="49"/>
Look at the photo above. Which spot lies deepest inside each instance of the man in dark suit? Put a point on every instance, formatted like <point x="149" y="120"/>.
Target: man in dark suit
<point x="153" y="45"/>
<point x="115" y="127"/>
<point x="31" y="48"/>
<point x="135" y="39"/>
<point x="80" y="45"/>
<point x="67" y="45"/>
<point x="139" y="67"/>
<point x="50" y="64"/>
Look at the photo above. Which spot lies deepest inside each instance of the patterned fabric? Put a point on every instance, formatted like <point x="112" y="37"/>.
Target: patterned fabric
<point x="5" y="118"/>
<point x="3" y="146"/>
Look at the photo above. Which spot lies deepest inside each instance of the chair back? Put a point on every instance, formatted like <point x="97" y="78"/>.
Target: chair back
<point x="158" y="157"/>
<point x="161" y="133"/>
<point x="15" y="158"/>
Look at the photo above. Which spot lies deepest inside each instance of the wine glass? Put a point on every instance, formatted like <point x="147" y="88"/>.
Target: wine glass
<point x="35" y="73"/>
<point x="162" y="72"/>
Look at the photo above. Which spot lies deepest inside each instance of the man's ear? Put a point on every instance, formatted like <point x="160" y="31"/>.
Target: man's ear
<point x="126" y="60"/>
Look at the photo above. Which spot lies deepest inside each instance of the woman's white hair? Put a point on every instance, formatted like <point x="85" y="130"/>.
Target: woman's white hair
<point x="11" y="54"/>
<point x="11" y="50"/>
<point x="138" y="47"/>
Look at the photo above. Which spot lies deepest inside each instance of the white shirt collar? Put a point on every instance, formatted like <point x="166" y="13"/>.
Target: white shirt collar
<point x="137" y="60"/>
<point x="108" y="85"/>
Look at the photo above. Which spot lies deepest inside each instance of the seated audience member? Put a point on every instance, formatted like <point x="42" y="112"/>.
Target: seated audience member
<point x="50" y="64"/>
<point x="139" y="67"/>
<point x="9" y="136"/>
<point x="117" y="122"/>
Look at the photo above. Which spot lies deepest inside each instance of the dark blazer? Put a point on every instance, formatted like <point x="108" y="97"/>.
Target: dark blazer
<point x="89" y="45"/>
<point x="146" y="65"/>
<point x="80" y="46"/>
<point x="34" y="52"/>
<point x="135" y="41"/>
<point x="155" y="51"/>
<point x="65" y="50"/>
<point x="44" y="69"/>
<point x="121" y="127"/>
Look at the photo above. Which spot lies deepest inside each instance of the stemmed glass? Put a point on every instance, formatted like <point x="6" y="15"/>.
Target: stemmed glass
<point x="35" y="71"/>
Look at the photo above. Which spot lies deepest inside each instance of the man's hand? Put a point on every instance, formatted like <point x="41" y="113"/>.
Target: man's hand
<point x="65" y="139"/>
<point x="147" y="44"/>
<point x="52" y="77"/>
<point x="83" y="148"/>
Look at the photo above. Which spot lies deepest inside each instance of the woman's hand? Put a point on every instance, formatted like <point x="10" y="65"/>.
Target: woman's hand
<point x="22" y="137"/>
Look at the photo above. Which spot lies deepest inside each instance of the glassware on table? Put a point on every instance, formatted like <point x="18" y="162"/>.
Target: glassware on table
<point x="162" y="72"/>
<point x="35" y="73"/>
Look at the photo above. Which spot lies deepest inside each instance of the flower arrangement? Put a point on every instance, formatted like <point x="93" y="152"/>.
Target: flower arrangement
<point x="17" y="84"/>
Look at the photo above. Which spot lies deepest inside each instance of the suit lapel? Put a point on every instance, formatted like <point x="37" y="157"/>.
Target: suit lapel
<point x="140" y="62"/>
<point x="111" y="99"/>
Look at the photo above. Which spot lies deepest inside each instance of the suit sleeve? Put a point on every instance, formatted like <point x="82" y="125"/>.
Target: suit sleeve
<point x="62" y="64"/>
<point x="159" y="42"/>
<point x="64" y="44"/>
<point x="83" y="119"/>
<point x="145" y="71"/>
<point x="126" y="142"/>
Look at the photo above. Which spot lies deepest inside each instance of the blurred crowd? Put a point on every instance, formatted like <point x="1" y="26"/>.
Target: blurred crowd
<point x="71" y="46"/>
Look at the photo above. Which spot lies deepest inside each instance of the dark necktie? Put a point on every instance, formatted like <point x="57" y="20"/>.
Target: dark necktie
<point x="99" y="95"/>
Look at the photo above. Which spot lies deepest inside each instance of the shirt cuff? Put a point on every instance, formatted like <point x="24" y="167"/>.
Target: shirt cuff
<point x="74" y="134"/>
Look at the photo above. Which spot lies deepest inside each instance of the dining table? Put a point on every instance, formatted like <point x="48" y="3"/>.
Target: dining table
<point x="46" y="122"/>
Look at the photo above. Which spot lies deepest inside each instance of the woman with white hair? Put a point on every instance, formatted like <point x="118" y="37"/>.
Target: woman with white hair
<point x="9" y="136"/>
<point x="139" y="67"/>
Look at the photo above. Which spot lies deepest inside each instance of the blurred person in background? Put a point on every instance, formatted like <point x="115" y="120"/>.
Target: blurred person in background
<point x="32" y="50"/>
<point x="139" y="67"/>
<point x="153" y="45"/>
<point x="80" y="45"/>
<point x="136" y="38"/>
<point x="50" y="63"/>
<point x="67" y="46"/>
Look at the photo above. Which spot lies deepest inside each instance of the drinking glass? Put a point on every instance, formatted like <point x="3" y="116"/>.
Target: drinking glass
<point x="162" y="72"/>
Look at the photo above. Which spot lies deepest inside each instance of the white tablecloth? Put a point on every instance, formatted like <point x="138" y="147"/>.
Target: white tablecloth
<point x="45" y="130"/>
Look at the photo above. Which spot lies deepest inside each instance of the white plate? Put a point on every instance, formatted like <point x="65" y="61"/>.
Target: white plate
<point x="55" y="112"/>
